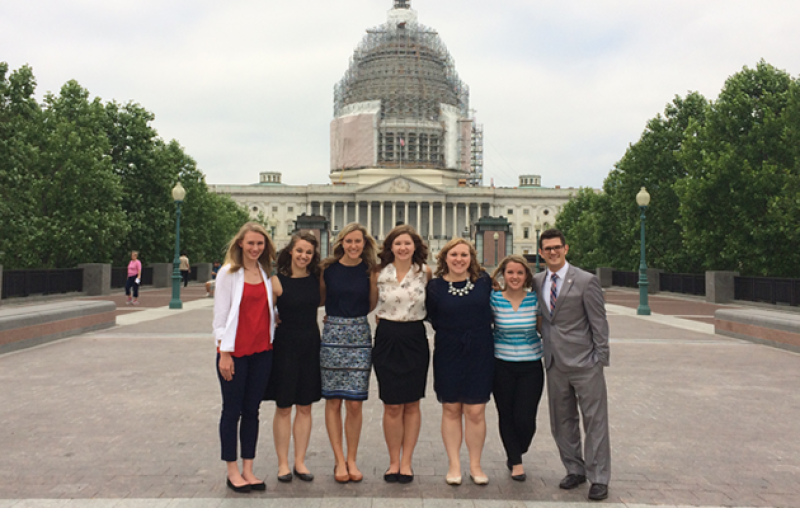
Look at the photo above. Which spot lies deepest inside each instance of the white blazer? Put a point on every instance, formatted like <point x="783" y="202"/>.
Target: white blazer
<point x="227" y="298"/>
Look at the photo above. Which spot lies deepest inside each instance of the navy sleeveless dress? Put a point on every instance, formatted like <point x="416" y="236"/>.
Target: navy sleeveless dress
<point x="463" y="354"/>
<point x="346" y="352"/>
<point x="295" y="377"/>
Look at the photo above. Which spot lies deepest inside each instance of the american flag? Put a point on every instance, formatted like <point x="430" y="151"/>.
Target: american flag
<point x="402" y="142"/>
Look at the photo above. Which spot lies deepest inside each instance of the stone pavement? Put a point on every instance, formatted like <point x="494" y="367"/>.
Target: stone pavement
<point x="127" y="417"/>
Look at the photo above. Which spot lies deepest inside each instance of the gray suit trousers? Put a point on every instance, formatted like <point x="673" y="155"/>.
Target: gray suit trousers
<point x="567" y="391"/>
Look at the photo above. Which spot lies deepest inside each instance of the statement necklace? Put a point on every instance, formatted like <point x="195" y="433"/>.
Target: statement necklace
<point x="462" y="291"/>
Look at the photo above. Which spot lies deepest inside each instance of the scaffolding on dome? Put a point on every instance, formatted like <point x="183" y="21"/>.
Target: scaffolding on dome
<point x="402" y="78"/>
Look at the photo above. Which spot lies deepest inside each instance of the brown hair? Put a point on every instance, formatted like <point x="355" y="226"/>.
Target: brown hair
<point x="367" y="255"/>
<point x="550" y="234"/>
<point x="514" y="258"/>
<point x="474" y="269"/>
<point x="285" y="255"/>
<point x="386" y="255"/>
<point x="234" y="255"/>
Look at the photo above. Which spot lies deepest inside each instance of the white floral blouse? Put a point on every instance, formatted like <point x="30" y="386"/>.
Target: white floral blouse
<point x="402" y="301"/>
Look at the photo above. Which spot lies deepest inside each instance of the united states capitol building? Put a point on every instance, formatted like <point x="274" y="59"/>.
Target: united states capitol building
<point x="404" y="148"/>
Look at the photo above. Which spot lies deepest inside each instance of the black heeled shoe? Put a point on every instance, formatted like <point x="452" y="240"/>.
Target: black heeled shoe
<point x="306" y="477"/>
<point x="244" y="489"/>
<point x="405" y="478"/>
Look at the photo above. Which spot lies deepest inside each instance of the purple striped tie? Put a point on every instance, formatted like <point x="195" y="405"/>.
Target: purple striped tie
<point x="553" y="293"/>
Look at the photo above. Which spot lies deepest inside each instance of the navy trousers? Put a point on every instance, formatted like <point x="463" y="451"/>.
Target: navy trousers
<point x="241" y="398"/>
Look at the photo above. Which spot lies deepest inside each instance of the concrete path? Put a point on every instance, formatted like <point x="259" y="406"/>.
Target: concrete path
<point x="127" y="417"/>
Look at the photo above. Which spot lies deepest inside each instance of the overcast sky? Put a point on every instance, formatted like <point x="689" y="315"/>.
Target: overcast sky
<point x="246" y="86"/>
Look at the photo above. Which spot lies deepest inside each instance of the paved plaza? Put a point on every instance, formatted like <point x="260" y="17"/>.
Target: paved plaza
<point x="127" y="417"/>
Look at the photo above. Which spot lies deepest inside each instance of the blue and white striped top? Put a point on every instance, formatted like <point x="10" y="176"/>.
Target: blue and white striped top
<point x="515" y="335"/>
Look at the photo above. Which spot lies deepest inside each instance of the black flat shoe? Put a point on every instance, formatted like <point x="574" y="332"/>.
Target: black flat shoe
<point x="258" y="486"/>
<point x="571" y="481"/>
<point x="244" y="489"/>
<point x="306" y="477"/>
<point x="405" y="478"/>
<point x="519" y="477"/>
<point x="391" y="477"/>
<point x="598" y="492"/>
<point x="285" y="478"/>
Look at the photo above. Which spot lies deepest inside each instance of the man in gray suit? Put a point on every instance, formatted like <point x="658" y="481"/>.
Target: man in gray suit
<point x="575" y="337"/>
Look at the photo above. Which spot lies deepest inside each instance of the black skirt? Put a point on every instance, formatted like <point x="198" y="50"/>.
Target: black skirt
<point x="401" y="357"/>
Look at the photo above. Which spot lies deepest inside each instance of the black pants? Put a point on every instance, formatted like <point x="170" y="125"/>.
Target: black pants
<point x="185" y="277"/>
<point x="517" y="392"/>
<point x="131" y="284"/>
<point x="241" y="398"/>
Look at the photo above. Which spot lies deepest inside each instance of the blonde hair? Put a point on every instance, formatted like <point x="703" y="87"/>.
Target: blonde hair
<point x="368" y="255"/>
<point x="514" y="258"/>
<point x="234" y="255"/>
<point x="474" y="269"/>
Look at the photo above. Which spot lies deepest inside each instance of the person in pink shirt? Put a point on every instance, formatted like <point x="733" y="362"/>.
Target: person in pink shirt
<point x="134" y="279"/>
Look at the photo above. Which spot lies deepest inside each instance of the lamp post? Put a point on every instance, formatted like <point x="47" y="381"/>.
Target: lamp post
<point x="538" y="228"/>
<point x="178" y="193"/>
<point x="273" y="225"/>
<point x="496" y="238"/>
<point x="643" y="199"/>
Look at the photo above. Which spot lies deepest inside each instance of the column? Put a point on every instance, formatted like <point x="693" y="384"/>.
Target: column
<point x="455" y="220"/>
<point x="369" y="217"/>
<point x="308" y="207"/>
<point x="444" y="218"/>
<point x="419" y="218"/>
<point x="394" y="214"/>
<point x="430" y="218"/>
<point x="405" y="213"/>
<point x="358" y="210"/>
<point x="333" y="215"/>
<point x="380" y="227"/>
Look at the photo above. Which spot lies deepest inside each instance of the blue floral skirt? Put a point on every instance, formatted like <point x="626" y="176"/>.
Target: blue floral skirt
<point x="346" y="358"/>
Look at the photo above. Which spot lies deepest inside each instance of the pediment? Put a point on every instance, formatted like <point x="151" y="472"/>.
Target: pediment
<point x="401" y="185"/>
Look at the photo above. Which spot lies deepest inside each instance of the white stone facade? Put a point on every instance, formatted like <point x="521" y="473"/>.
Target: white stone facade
<point x="439" y="213"/>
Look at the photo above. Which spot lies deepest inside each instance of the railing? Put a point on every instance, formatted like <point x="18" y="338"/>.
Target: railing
<point x="119" y="275"/>
<point x="686" y="283"/>
<point x="625" y="279"/>
<point x="21" y="283"/>
<point x="767" y="289"/>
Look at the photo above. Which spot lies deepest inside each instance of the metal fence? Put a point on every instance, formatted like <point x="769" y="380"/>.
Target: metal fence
<point x="119" y="275"/>
<point x="20" y="283"/>
<point x="625" y="279"/>
<point x="686" y="283"/>
<point x="767" y="289"/>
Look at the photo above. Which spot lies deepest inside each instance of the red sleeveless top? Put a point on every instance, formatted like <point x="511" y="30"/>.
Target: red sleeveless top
<point x="252" y="333"/>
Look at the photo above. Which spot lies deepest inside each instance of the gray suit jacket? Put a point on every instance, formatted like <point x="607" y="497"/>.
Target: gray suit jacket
<point x="576" y="336"/>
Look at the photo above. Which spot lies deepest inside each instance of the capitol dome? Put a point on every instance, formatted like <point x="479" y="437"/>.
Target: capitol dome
<point x="401" y="103"/>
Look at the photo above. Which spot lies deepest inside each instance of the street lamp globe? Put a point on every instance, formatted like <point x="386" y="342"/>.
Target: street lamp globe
<point x="496" y="236"/>
<point x="643" y="198"/>
<point x="178" y="192"/>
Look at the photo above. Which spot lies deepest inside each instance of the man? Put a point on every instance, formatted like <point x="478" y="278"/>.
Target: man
<point x="575" y="338"/>
<point x="185" y="268"/>
<point x="211" y="284"/>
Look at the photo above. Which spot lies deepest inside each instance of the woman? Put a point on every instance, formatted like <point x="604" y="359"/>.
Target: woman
<point x="134" y="278"/>
<point x="401" y="354"/>
<point x="295" y="379"/>
<point x="518" y="373"/>
<point x="463" y="366"/>
<point x="346" y="353"/>
<point x="244" y="326"/>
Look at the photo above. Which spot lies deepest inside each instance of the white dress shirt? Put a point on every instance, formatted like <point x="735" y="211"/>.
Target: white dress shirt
<point x="562" y="273"/>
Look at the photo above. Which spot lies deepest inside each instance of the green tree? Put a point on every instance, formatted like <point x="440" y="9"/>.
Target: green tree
<point x="581" y="221"/>
<point x="741" y="183"/>
<point x="147" y="179"/>
<point x="77" y="194"/>
<point x="652" y="162"/>
<point x="20" y="116"/>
